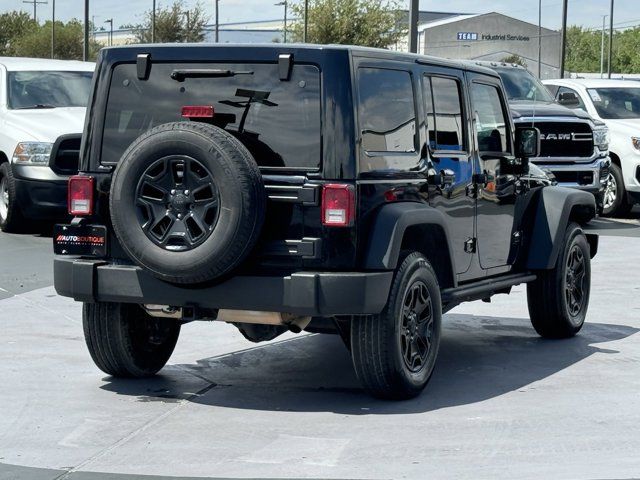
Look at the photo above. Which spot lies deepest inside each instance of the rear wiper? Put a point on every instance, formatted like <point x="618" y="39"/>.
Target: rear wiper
<point x="36" y="106"/>
<point x="180" y="75"/>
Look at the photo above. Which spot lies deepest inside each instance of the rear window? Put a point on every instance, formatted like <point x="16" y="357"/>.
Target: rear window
<point x="278" y="121"/>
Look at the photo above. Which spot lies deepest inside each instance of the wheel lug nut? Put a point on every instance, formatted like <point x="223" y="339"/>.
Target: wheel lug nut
<point x="173" y="192"/>
<point x="179" y="216"/>
<point x="186" y="192"/>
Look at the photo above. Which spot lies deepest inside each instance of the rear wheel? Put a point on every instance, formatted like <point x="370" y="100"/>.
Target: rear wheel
<point x="558" y="299"/>
<point x="394" y="353"/>
<point x="124" y="341"/>
<point x="10" y="216"/>
<point x="615" y="195"/>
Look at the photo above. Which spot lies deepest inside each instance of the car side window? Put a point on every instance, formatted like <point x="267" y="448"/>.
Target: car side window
<point x="492" y="126"/>
<point x="386" y="110"/>
<point x="562" y="90"/>
<point x="444" y="121"/>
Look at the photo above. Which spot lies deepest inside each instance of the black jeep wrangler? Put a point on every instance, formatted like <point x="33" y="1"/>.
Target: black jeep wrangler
<point x="329" y="189"/>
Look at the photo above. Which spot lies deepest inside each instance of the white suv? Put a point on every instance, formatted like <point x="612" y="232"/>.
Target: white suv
<point x="42" y="109"/>
<point x="617" y="103"/>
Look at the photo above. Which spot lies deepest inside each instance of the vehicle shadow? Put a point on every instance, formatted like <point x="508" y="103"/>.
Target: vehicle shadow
<point x="480" y="358"/>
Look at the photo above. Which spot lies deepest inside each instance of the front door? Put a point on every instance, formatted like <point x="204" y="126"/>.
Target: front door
<point x="496" y="192"/>
<point x="448" y="148"/>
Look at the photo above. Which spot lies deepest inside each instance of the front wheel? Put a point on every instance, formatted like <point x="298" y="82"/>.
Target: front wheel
<point x="614" y="202"/>
<point x="125" y="341"/>
<point x="10" y="216"/>
<point x="558" y="298"/>
<point x="394" y="353"/>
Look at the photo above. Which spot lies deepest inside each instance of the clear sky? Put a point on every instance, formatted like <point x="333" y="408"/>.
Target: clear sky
<point x="581" y="12"/>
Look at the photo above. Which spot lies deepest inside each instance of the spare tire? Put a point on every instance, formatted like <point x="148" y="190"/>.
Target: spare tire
<point x="187" y="202"/>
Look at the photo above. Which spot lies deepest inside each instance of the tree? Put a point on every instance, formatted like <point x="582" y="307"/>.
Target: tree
<point x="36" y="42"/>
<point x="12" y="26"/>
<point x="173" y="24"/>
<point x="371" y="23"/>
<point x="583" y="50"/>
<point x="515" y="59"/>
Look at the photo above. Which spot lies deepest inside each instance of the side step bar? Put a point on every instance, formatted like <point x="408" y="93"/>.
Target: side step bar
<point x="483" y="289"/>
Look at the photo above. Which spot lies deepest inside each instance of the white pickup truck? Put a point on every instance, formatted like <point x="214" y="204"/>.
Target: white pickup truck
<point x="42" y="109"/>
<point x="616" y="103"/>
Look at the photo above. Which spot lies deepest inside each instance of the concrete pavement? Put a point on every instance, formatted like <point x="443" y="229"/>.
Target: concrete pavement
<point x="502" y="403"/>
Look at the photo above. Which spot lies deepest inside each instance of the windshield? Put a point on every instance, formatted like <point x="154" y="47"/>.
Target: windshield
<point x="48" y="89"/>
<point x="615" y="103"/>
<point x="520" y="84"/>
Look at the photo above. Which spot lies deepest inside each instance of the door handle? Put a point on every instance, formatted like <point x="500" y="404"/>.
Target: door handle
<point x="447" y="178"/>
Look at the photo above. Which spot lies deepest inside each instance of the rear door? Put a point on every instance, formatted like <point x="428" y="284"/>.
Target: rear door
<point x="448" y="145"/>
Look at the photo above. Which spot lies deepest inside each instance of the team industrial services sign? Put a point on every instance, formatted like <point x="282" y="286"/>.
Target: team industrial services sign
<point x="505" y="37"/>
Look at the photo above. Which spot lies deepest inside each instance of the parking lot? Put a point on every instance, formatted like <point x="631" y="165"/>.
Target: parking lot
<point x="502" y="403"/>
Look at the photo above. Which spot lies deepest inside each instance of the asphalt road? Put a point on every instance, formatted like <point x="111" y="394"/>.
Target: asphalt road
<point x="502" y="403"/>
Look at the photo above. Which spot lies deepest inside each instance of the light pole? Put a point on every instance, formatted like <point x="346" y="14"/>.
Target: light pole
<point x="563" y="39"/>
<point x="186" y="14"/>
<point x="153" y="22"/>
<point x="306" y="20"/>
<point x="85" y="50"/>
<point x="110" y="22"/>
<point x="610" y="41"/>
<point x="285" y="3"/>
<point x="217" y="21"/>
<point x="413" y="26"/>
<point x="539" y="38"/>
<point x="53" y="28"/>
<point x="604" y="19"/>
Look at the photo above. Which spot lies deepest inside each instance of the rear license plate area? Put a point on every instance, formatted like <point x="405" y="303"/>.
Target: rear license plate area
<point x="85" y="240"/>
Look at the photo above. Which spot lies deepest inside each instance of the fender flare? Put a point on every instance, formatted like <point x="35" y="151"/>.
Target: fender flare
<point x="556" y="207"/>
<point x="388" y="231"/>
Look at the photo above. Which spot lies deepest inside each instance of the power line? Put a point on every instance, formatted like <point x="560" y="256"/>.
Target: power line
<point x="35" y="4"/>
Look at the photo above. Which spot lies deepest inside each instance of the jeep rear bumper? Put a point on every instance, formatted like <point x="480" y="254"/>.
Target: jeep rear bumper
<point x="301" y="293"/>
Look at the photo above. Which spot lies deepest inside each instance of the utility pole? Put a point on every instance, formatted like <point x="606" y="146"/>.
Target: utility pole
<point x="85" y="50"/>
<point x="53" y="28"/>
<point x="110" y="22"/>
<point x="610" y="41"/>
<point x="539" y="38"/>
<point x="285" y="3"/>
<point x="413" y="25"/>
<point x="563" y="41"/>
<point x="153" y="22"/>
<point x="35" y="4"/>
<point x="306" y="20"/>
<point x="186" y="14"/>
<point x="604" y="19"/>
<point x="217" y="21"/>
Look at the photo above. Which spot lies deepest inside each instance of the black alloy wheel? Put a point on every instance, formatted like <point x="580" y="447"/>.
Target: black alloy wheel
<point x="574" y="281"/>
<point x="178" y="203"/>
<point x="417" y="327"/>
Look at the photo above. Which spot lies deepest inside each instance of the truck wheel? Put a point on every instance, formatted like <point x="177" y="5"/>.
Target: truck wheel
<point x="394" y="353"/>
<point x="10" y="216"/>
<point x="558" y="298"/>
<point x="187" y="202"/>
<point x="615" y="195"/>
<point x="124" y="341"/>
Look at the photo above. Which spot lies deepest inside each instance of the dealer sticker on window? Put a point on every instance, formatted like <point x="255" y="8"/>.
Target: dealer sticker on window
<point x="594" y="95"/>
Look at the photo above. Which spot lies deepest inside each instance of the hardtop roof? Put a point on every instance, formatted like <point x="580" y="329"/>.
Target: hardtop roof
<point x="352" y="49"/>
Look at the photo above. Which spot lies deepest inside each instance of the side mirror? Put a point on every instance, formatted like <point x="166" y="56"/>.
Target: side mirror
<point x="527" y="142"/>
<point x="568" y="99"/>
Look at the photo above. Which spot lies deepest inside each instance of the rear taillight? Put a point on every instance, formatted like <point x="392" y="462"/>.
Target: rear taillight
<point x="197" y="111"/>
<point x="338" y="205"/>
<point x="80" y="193"/>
